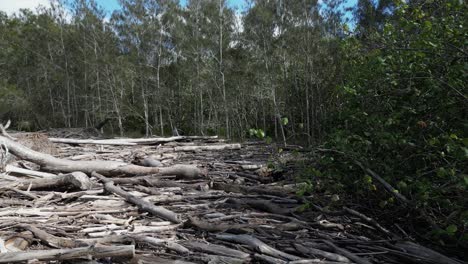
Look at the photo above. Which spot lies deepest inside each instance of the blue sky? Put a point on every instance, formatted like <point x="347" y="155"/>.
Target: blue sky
<point x="12" y="6"/>
<point x="111" y="5"/>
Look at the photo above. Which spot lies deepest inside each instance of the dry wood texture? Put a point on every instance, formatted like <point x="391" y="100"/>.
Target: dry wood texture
<point x="241" y="212"/>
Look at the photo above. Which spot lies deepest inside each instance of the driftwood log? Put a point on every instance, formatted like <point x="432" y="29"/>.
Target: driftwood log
<point x="77" y="179"/>
<point x="108" y="168"/>
<point x="127" y="141"/>
<point x="257" y="245"/>
<point x="230" y="216"/>
<point x="26" y="172"/>
<point x="73" y="253"/>
<point x="142" y="204"/>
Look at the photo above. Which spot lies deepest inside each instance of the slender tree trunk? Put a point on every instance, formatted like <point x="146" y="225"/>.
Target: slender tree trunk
<point x="158" y="80"/>
<point x="145" y="112"/>
<point x="98" y="85"/>
<point x="161" y="121"/>
<point x="221" y="67"/>
<point x="67" y="80"/>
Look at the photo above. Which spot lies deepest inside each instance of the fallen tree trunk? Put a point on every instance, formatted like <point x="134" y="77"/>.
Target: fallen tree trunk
<point x="346" y="253"/>
<point x="216" y="249"/>
<point x="19" y="242"/>
<point x="116" y="142"/>
<point x="26" y="172"/>
<point x="73" y="253"/>
<point x="400" y="197"/>
<point x="257" y="245"/>
<point x="126" y="141"/>
<point x="75" y="179"/>
<point x="142" y="204"/>
<point x="108" y="168"/>
<point x="213" y="147"/>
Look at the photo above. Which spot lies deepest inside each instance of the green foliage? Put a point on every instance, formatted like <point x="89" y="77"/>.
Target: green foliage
<point x="257" y="132"/>
<point x="284" y="121"/>
<point x="260" y="134"/>
<point x="404" y="113"/>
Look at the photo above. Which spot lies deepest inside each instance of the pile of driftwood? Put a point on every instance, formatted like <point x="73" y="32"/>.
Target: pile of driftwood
<point x="172" y="200"/>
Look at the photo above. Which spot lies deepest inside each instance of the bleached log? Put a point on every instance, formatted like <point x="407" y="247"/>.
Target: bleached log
<point x="127" y="141"/>
<point x="215" y="249"/>
<point x="99" y="228"/>
<point x="257" y="245"/>
<point x="50" y="211"/>
<point x="27" y="194"/>
<point x="142" y="204"/>
<point x="73" y="253"/>
<point x="251" y="166"/>
<point x="116" y="142"/>
<point x="208" y="258"/>
<point x="269" y="260"/>
<point x="25" y="172"/>
<point x="207" y="148"/>
<point x="135" y="230"/>
<point x="346" y="253"/>
<point x="2" y="246"/>
<point x="50" y="163"/>
<point x="161" y="242"/>
<point x="18" y="243"/>
<point x="51" y="240"/>
<point x="109" y="219"/>
<point x="76" y="179"/>
<point x="321" y="253"/>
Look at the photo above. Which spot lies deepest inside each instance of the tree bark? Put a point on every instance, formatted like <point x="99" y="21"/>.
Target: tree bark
<point x="108" y="168"/>
<point x="74" y="253"/>
<point x="142" y="204"/>
<point x="75" y="179"/>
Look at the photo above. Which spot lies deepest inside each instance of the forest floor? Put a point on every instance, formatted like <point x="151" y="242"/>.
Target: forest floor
<point x="239" y="211"/>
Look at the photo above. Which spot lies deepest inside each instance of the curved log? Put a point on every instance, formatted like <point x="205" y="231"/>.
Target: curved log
<point x="107" y="168"/>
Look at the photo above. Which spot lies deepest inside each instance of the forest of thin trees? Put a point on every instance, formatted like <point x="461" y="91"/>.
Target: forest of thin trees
<point x="204" y="68"/>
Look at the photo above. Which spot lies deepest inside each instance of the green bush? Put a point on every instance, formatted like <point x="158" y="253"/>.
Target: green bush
<point x="403" y="114"/>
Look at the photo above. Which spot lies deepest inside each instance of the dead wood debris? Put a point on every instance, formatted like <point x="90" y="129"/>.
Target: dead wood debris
<point x="231" y="215"/>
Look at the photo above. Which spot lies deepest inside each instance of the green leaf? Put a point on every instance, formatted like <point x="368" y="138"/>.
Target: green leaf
<point x="402" y="185"/>
<point x="441" y="172"/>
<point x="368" y="179"/>
<point x="260" y="133"/>
<point x="432" y="44"/>
<point x="284" y="121"/>
<point x="451" y="229"/>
